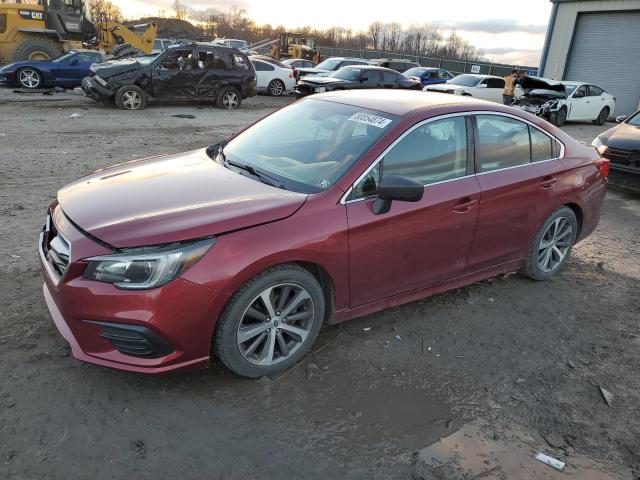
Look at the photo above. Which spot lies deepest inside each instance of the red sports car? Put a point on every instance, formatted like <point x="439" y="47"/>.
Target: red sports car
<point x="333" y="207"/>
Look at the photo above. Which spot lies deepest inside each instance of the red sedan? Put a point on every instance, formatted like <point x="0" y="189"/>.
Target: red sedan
<point x="334" y="207"/>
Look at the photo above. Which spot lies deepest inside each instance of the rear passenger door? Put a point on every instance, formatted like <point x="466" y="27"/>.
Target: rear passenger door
<point x="389" y="79"/>
<point x="521" y="181"/>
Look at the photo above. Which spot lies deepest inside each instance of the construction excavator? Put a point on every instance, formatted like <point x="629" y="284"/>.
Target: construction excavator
<point x="48" y="28"/>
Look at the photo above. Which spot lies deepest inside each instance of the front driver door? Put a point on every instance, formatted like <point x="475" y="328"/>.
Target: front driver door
<point x="174" y="76"/>
<point x="415" y="244"/>
<point x="580" y="105"/>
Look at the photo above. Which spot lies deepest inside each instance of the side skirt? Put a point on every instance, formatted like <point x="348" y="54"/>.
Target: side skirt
<point x="426" y="292"/>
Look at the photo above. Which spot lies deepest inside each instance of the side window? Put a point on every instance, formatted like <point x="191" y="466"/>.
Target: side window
<point x="541" y="145"/>
<point x="372" y="75"/>
<point x="389" y="77"/>
<point x="502" y="142"/>
<point x="495" y="83"/>
<point x="211" y="60"/>
<point x="581" y="92"/>
<point x="96" y="58"/>
<point x="239" y="62"/>
<point x="178" y="60"/>
<point x="3" y="22"/>
<point x="595" y="91"/>
<point x="262" y="66"/>
<point x="431" y="153"/>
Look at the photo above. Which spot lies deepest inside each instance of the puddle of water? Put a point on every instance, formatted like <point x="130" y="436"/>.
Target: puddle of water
<point x="471" y="453"/>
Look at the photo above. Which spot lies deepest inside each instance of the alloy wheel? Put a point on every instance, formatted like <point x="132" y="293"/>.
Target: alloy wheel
<point x="277" y="88"/>
<point x="555" y="244"/>
<point x="230" y="100"/>
<point x="275" y="324"/>
<point x="131" y="100"/>
<point x="29" y="78"/>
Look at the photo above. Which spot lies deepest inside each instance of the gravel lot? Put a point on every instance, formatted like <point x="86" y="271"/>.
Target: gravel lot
<point x="504" y="355"/>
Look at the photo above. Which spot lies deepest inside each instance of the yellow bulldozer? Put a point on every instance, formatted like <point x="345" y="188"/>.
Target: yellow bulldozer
<point x="294" y="45"/>
<point x="44" y="29"/>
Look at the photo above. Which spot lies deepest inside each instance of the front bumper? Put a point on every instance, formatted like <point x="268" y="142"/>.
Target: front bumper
<point x="151" y="331"/>
<point x="9" y="78"/>
<point x="97" y="92"/>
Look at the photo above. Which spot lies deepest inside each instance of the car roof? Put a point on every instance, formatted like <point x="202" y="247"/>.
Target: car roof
<point x="347" y="58"/>
<point x="399" y="102"/>
<point x="478" y="75"/>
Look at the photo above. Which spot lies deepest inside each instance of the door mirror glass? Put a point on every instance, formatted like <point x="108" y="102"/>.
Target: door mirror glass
<point x="74" y="61"/>
<point x="482" y="85"/>
<point x="396" y="187"/>
<point x="364" y="79"/>
<point x="621" y="118"/>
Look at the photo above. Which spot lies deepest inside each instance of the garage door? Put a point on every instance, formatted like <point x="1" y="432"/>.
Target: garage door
<point x="606" y="52"/>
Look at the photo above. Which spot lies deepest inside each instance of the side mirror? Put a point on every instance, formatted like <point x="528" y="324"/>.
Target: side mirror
<point x="482" y="85"/>
<point x="621" y="118"/>
<point x="578" y="95"/>
<point x="396" y="187"/>
<point x="74" y="61"/>
<point x="364" y="79"/>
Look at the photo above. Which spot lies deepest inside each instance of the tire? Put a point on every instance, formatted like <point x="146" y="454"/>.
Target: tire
<point x="558" y="118"/>
<point x="602" y="117"/>
<point x="37" y="49"/>
<point x="29" y="78"/>
<point x="229" y="98"/>
<point x="249" y="340"/>
<point x="131" y="97"/>
<point x="276" y="88"/>
<point x="556" y="236"/>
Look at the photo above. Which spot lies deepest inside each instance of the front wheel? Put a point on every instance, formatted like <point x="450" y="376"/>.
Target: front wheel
<point x="551" y="247"/>
<point x="558" y="118"/>
<point x="271" y="322"/>
<point x="29" y="78"/>
<point x="131" y="97"/>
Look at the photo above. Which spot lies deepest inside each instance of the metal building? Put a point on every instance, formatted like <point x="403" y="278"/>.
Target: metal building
<point x="596" y="41"/>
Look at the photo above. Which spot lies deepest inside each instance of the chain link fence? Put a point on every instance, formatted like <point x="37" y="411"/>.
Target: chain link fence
<point x="452" y="65"/>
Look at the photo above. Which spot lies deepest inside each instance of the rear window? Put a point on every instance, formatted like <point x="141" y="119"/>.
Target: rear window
<point x="3" y="23"/>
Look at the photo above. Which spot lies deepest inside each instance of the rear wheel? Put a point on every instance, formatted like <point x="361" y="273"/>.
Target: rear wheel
<point x="228" y="98"/>
<point x="558" y="118"/>
<point x="38" y="49"/>
<point x="602" y="117"/>
<point x="271" y="322"/>
<point x="29" y="78"/>
<point x="276" y="88"/>
<point x="131" y="97"/>
<point x="552" y="246"/>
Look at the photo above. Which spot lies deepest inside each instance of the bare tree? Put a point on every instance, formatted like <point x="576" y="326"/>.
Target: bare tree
<point x="104" y="10"/>
<point x="179" y="10"/>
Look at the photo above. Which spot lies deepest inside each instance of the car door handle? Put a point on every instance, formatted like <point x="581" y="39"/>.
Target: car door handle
<point x="465" y="205"/>
<point x="548" y="182"/>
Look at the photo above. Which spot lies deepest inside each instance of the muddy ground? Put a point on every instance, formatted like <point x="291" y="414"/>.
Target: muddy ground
<point x="506" y="354"/>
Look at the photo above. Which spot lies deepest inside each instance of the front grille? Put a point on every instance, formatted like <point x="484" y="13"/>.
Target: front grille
<point x="55" y="249"/>
<point x="623" y="157"/>
<point x="134" y="340"/>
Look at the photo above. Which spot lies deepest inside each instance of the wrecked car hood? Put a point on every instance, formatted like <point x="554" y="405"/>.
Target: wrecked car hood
<point x="542" y="84"/>
<point x="171" y="198"/>
<point x="115" y="67"/>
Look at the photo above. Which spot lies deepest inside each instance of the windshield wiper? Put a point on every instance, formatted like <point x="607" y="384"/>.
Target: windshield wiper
<point x="263" y="177"/>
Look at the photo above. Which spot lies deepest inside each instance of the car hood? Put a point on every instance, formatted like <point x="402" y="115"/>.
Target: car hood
<point x="323" y="80"/>
<point x="539" y="83"/>
<point x="115" y="67"/>
<point x="444" y="87"/>
<point x="171" y="198"/>
<point x="623" y="136"/>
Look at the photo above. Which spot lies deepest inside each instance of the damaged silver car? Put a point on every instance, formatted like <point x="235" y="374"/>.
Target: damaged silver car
<point x="559" y="102"/>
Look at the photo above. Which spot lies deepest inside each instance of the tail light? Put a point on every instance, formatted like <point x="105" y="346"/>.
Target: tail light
<point x="604" y="165"/>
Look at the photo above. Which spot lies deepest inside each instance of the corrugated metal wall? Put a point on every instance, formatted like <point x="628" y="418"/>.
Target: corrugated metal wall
<point x="606" y="52"/>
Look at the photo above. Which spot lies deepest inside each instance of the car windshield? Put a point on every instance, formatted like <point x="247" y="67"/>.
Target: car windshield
<point x="414" y="72"/>
<point x="309" y="145"/>
<point x="347" y="73"/>
<point x="570" y="88"/>
<point x="634" y="120"/>
<point x="328" y="64"/>
<point x="146" y="59"/>
<point x="64" y="57"/>
<point x="465" y="80"/>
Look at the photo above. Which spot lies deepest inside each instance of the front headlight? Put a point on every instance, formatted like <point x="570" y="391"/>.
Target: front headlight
<point x="321" y="89"/>
<point x="147" y="267"/>
<point x="100" y="81"/>
<point x="600" y="147"/>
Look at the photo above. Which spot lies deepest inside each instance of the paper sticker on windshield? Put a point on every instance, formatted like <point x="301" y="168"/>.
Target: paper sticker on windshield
<point x="369" y="119"/>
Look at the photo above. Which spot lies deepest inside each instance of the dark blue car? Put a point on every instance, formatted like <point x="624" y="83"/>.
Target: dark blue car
<point x="67" y="71"/>
<point x="429" y="75"/>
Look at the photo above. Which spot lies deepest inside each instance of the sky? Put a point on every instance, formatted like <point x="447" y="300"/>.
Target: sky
<point x="505" y="31"/>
